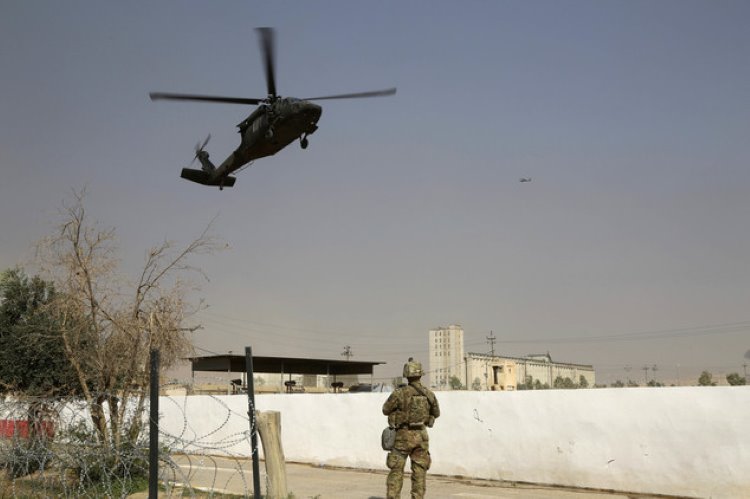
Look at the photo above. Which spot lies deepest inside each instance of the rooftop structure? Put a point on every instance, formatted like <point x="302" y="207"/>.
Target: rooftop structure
<point x="283" y="366"/>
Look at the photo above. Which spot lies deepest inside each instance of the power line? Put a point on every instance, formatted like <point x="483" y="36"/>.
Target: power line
<point x="715" y="329"/>
<point x="215" y="317"/>
<point x="282" y="337"/>
<point x="705" y="330"/>
<point x="207" y="351"/>
<point x="293" y="338"/>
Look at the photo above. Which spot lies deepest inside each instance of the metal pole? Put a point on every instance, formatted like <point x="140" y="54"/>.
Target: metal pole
<point x="253" y="426"/>
<point x="229" y="372"/>
<point x="153" y="429"/>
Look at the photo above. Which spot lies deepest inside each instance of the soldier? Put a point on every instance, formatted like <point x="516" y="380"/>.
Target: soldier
<point x="410" y="409"/>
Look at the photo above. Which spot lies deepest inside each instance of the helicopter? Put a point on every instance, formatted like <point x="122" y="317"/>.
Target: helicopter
<point x="524" y="179"/>
<point x="274" y="124"/>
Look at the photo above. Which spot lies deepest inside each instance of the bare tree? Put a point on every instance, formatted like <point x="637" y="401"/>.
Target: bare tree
<point x="108" y="325"/>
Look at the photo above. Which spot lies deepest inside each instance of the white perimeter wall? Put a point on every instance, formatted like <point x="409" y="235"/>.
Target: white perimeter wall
<point x="689" y="441"/>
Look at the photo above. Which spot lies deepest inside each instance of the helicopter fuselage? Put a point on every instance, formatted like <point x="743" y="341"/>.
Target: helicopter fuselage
<point x="276" y="123"/>
<point x="269" y="129"/>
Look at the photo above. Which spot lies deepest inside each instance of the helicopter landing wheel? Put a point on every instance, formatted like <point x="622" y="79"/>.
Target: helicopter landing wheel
<point x="303" y="142"/>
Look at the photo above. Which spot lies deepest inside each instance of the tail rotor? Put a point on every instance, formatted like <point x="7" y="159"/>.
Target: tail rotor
<point x="201" y="154"/>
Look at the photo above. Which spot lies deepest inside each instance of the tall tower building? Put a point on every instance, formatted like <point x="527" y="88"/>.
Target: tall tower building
<point x="446" y="346"/>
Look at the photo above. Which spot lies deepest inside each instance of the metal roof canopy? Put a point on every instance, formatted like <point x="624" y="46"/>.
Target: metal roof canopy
<point x="282" y="365"/>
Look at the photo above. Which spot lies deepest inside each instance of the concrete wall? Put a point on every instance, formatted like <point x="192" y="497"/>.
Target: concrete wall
<point x="689" y="441"/>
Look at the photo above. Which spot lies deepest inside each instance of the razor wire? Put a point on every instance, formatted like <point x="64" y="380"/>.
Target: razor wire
<point x="50" y="447"/>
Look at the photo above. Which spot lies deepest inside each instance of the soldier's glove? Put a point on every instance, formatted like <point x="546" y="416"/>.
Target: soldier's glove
<point x="430" y="422"/>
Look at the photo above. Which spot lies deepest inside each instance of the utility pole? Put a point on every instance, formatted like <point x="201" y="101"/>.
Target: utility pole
<point x="347" y="352"/>
<point x="491" y="340"/>
<point x="653" y="370"/>
<point x="645" y="374"/>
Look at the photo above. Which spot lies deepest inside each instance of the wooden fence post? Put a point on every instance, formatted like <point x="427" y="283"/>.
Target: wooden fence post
<point x="269" y="427"/>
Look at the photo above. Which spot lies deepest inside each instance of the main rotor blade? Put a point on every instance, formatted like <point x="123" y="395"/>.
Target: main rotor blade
<point x="267" y="47"/>
<point x="376" y="93"/>
<point x="205" y="98"/>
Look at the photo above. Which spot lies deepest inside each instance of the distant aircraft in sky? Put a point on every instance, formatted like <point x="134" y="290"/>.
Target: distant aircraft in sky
<point x="524" y="179"/>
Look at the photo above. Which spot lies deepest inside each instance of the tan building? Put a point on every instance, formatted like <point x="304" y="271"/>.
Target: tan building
<point x="481" y="371"/>
<point x="488" y="372"/>
<point x="540" y="369"/>
<point x="446" y="352"/>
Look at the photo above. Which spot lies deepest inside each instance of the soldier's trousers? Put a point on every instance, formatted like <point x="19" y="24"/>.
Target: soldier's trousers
<point x="412" y="444"/>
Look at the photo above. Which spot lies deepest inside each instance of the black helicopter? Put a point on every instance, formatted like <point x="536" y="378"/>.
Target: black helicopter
<point x="275" y="124"/>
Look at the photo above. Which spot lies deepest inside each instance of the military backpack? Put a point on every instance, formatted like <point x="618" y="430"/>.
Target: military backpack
<point x="417" y="410"/>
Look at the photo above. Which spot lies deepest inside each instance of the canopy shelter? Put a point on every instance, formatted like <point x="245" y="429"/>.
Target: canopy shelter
<point x="282" y="365"/>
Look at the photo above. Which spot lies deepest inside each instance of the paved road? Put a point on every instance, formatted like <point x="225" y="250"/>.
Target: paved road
<point x="307" y="481"/>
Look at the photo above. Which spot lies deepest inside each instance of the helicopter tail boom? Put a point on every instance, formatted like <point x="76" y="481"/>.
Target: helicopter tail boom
<point x="205" y="178"/>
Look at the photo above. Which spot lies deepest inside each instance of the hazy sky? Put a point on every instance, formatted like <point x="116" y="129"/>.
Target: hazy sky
<point x="406" y="213"/>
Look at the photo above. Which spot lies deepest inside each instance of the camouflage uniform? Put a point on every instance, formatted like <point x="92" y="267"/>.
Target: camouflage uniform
<point x="412" y="440"/>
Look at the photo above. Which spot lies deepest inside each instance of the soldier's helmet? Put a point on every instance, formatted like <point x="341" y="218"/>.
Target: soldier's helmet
<point x="413" y="369"/>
